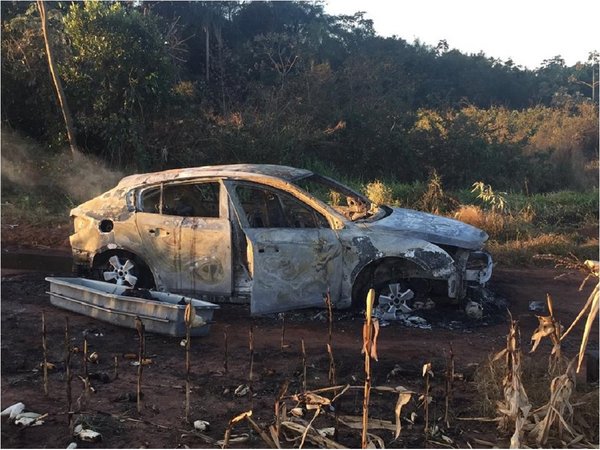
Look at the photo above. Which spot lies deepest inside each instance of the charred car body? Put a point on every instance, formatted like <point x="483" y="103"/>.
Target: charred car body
<point x="274" y="236"/>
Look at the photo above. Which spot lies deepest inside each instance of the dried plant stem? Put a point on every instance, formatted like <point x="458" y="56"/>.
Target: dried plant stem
<point x="45" y="350"/>
<point x="277" y="407"/>
<point x="139" y="325"/>
<point x="232" y="422"/>
<point x="189" y="316"/>
<point x="116" y="367"/>
<point x="86" y="376"/>
<point x="226" y="353"/>
<point x="426" y="402"/>
<point x="331" y="374"/>
<point x="282" y="331"/>
<point x="303" y="365"/>
<point x="308" y="427"/>
<point x="69" y="376"/>
<point x="367" y="351"/>
<point x="332" y="380"/>
<point x="251" y="351"/>
<point x="187" y="372"/>
<point x="449" y="384"/>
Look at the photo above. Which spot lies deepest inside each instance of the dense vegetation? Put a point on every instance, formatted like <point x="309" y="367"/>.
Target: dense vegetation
<point x="153" y="85"/>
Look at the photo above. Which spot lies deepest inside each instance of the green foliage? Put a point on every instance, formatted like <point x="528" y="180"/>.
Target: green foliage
<point x="485" y="192"/>
<point x="119" y="77"/>
<point x="154" y="85"/>
<point x="28" y="99"/>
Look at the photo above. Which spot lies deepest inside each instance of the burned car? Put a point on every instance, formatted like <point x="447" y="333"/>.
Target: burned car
<point x="274" y="236"/>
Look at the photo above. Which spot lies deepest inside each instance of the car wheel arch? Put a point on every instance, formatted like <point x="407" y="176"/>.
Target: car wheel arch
<point x="412" y="264"/>
<point x="147" y="278"/>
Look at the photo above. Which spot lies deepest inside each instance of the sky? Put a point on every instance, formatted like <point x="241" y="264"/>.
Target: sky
<point x="526" y="31"/>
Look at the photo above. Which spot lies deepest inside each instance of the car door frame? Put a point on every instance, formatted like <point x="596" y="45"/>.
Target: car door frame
<point x="285" y="263"/>
<point x="187" y="259"/>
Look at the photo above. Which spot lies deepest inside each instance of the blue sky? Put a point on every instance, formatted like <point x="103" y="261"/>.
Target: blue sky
<point x="527" y="31"/>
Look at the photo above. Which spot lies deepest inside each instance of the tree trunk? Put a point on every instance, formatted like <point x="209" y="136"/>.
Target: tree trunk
<point x="62" y="100"/>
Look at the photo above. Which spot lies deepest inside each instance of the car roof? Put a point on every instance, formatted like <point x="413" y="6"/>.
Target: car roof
<point x="251" y="171"/>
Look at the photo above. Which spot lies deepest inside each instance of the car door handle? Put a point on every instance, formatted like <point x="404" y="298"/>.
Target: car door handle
<point x="272" y="248"/>
<point x="157" y="232"/>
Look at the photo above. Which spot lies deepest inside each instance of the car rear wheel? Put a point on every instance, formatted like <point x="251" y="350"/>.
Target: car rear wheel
<point x="121" y="272"/>
<point x="123" y="269"/>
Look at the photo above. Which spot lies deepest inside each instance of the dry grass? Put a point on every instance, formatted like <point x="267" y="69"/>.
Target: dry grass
<point x="379" y="193"/>
<point x="493" y="223"/>
<point x="525" y="251"/>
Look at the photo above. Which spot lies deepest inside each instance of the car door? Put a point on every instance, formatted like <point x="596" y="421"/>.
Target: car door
<point x="187" y="236"/>
<point x="293" y="255"/>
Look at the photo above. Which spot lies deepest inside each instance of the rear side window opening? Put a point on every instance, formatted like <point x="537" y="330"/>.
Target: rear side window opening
<point x="185" y="200"/>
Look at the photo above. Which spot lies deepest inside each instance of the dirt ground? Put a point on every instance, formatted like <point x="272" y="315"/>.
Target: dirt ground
<point x="111" y="409"/>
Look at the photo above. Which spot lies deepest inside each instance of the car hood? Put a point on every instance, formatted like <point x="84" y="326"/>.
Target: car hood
<point x="431" y="228"/>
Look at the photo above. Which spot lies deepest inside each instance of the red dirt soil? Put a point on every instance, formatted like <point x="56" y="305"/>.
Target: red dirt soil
<point x="402" y="353"/>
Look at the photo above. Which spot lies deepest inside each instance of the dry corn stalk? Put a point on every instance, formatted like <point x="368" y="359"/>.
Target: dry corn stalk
<point x="549" y="327"/>
<point x="515" y="407"/>
<point x="248" y="417"/>
<point x="404" y="396"/>
<point x="331" y="374"/>
<point x="279" y="410"/>
<point x="590" y="308"/>
<point x="312" y="435"/>
<point x="225" y="353"/>
<point x="426" y="398"/>
<point x="369" y="350"/>
<point x="232" y="422"/>
<point x="558" y="411"/>
<point x="449" y="384"/>
<point x="69" y="376"/>
<point x="189" y="315"/>
<point x="139" y="326"/>
<point x="303" y="364"/>
<point x="45" y="350"/>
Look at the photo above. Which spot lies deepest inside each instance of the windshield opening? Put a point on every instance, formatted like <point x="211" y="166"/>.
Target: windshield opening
<point x="344" y="200"/>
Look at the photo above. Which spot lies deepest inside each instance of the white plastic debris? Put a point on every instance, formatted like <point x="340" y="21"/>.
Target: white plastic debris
<point x="415" y="321"/>
<point x="326" y="432"/>
<point x="241" y="390"/>
<point x="474" y="310"/>
<point x="537" y="306"/>
<point x="198" y="321"/>
<point x="87" y="435"/>
<point x="13" y="410"/>
<point x="72" y="445"/>
<point x="201" y="425"/>
<point x="28" y="419"/>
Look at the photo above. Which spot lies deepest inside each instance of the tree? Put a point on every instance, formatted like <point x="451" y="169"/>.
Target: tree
<point x="120" y="75"/>
<point x="60" y="93"/>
